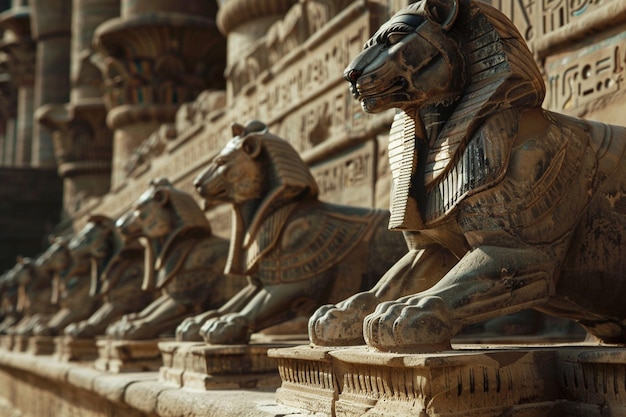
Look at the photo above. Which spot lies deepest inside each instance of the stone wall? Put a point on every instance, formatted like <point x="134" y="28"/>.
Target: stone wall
<point x="30" y="209"/>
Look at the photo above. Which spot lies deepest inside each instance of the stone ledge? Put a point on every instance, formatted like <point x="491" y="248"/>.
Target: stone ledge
<point x="58" y="384"/>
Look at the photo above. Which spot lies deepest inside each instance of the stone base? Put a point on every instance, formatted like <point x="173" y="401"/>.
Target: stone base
<point x="201" y="366"/>
<point x="69" y="349"/>
<point x="41" y="345"/>
<point x="308" y="380"/>
<point x="20" y="343"/>
<point x="568" y="381"/>
<point x="128" y="355"/>
<point x="7" y="341"/>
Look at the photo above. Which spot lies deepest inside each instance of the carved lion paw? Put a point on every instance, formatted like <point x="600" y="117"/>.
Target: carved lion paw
<point x="418" y="324"/>
<point x="228" y="329"/>
<point x="189" y="329"/>
<point x="341" y="324"/>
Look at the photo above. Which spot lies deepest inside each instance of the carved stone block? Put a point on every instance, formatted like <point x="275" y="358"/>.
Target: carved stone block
<point x="69" y="349"/>
<point x="200" y="366"/>
<point x="118" y="356"/>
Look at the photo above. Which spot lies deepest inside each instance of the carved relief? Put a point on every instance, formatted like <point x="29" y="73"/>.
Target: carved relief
<point x="298" y="251"/>
<point x="587" y="78"/>
<point x="477" y="163"/>
<point x="348" y="179"/>
<point x="162" y="70"/>
<point x="184" y="262"/>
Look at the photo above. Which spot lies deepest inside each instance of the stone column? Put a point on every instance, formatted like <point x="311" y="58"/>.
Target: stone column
<point x="19" y="48"/>
<point x="50" y="22"/>
<point x="82" y="141"/>
<point x="8" y="111"/>
<point x="244" y="22"/>
<point x="157" y="55"/>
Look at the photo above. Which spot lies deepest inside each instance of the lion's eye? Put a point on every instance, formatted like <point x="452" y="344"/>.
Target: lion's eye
<point x="395" y="37"/>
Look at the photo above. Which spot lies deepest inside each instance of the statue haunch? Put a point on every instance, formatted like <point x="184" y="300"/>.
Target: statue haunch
<point x="298" y="251"/>
<point x="538" y="197"/>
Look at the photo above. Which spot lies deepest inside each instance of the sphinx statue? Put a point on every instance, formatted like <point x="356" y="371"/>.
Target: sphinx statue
<point x="8" y="301"/>
<point x="530" y="201"/>
<point x="117" y="271"/>
<point x="297" y="251"/>
<point x="35" y="278"/>
<point x="71" y="292"/>
<point x="184" y="262"/>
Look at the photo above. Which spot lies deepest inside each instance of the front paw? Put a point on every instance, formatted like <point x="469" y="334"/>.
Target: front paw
<point x="189" y="329"/>
<point x="228" y="329"/>
<point x="341" y="324"/>
<point x="417" y="325"/>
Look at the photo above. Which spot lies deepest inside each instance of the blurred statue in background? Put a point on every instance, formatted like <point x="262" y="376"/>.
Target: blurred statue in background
<point x="117" y="271"/>
<point x="184" y="262"/>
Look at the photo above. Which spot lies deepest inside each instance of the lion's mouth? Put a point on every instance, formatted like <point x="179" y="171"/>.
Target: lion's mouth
<point x="370" y="93"/>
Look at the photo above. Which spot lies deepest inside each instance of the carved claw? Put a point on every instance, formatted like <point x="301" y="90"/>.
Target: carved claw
<point x="189" y="329"/>
<point x="341" y="324"/>
<point x="417" y="324"/>
<point x="228" y="329"/>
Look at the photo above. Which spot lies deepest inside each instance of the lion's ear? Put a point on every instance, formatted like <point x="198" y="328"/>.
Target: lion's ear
<point x="252" y="146"/>
<point x="237" y="129"/>
<point x="161" y="196"/>
<point x="442" y="12"/>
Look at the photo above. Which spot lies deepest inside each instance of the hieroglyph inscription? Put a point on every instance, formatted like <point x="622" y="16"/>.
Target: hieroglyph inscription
<point x="348" y="179"/>
<point x="521" y="14"/>
<point x="555" y="14"/>
<point x="584" y="78"/>
<point x="318" y="71"/>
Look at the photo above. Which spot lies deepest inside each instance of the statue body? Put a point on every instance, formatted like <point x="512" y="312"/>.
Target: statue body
<point x="8" y="301"/>
<point x="530" y="201"/>
<point x="117" y="272"/>
<point x="297" y="251"/>
<point x="36" y="279"/>
<point x="184" y="262"/>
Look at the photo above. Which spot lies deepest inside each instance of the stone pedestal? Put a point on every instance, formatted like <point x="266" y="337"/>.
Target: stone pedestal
<point x="201" y="366"/>
<point x="20" y="343"/>
<point x="39" y="345"/>
<point x="7" y="341"/>
<point x="69" y="349"/>
<point x="472" y="380"/>
<point x="128" y="355"/>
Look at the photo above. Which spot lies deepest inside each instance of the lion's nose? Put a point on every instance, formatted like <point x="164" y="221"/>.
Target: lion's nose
<point x="352" y="75"/>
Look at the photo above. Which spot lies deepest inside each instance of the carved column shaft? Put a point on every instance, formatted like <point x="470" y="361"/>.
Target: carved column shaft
<point x="51" y="29"/>
<point x="19" y="48"/>
<point x="82" y="142"/>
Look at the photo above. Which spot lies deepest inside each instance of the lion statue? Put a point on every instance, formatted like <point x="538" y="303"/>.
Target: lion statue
<point x="36" y="280"/>
<point x="8" y="300"/>
<point x="71" y="293"/>
<point x="184" y="261"/>
<point x="117" y="271"/>
<point x="539" y="198"/>
<point x="297" y="251"/>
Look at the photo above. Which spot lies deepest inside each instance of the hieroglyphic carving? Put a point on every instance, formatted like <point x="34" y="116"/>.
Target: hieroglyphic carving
<point x="556" y="14"/>
<point x="348" y="179"/>
<point x="587" y="77"/>
<point x="322" y="69"/>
